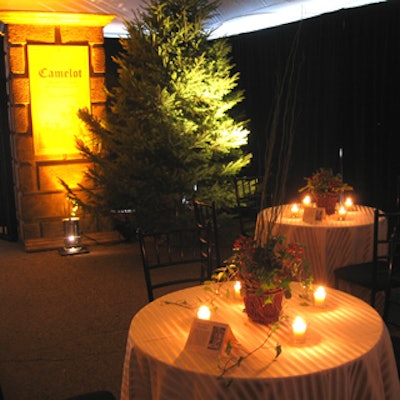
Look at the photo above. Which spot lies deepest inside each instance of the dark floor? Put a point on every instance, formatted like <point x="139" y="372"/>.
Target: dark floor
<point x="64" y="320"/>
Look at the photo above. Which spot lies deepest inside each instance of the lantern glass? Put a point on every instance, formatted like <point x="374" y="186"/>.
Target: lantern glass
<point x="72" y="235"/>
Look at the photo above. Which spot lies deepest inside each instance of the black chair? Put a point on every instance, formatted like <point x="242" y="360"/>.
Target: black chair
<point x="379" y="274"/>
<point x="396" y="349"/>
<point x="392" y="296"/>
<point x="173" y="258"/>
<point x="206" y="222"/>
<point x="248" y="202"/>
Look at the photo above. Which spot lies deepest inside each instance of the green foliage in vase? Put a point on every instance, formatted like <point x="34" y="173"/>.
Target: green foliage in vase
<point x="169" y="125"/>
<point x="262" y="268"/>
<point x="325" y="181"/>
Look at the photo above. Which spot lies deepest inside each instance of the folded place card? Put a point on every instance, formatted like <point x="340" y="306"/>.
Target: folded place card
<point x="208" y="336"/>
<point x="313" y="215"/>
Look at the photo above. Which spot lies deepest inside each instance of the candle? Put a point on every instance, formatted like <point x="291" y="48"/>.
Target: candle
<point x="342" y="213"/>
<point x="348" y="203"/>
<point x="295" y="210"/>
<point x="307" y="201"/>
<point x="203" y="312"/>
<point x="319" y="296"/>
<point x="299" y="328"/>
<point x="237" y="288"/>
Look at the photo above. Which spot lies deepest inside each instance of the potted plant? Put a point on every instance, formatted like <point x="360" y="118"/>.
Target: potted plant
<point x="325" y="187"/>
<point x="265" y="273"/>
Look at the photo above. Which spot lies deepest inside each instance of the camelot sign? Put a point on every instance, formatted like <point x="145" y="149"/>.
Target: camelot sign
<point x="59" y="87"/>
<point x="63" y="73"/>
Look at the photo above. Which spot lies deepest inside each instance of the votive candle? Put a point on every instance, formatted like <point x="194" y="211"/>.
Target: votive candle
<point x="299" y="328"/>
<point x="319" y="296"/>
<point x="342" y="213"/>
<point x="237" y="287"/>
<point x="203" y="312"/>
<point x="295" y="210"/>
<point x="307" y="200"/>
<point x="348" y="202"/>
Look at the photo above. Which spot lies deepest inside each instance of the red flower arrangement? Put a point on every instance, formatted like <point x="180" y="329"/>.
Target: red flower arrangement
<point x="269" y="267"/>
<point x="325" y="181"/>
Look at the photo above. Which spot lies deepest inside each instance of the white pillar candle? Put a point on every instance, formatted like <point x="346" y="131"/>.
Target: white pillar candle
<point x="203" y="312"/>
<point x="319" y="296"/>
<point x="299" y="328"/>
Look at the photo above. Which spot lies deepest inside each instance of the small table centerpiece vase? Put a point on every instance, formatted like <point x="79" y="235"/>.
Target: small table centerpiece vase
<point x="265" y="273"/>
<point x="327" y="201"/>
<point x="325" y="187"/>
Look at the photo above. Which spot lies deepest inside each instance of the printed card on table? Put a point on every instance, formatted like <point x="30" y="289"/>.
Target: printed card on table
<point x="313" y="215"/>
<point x="208" y="336"/>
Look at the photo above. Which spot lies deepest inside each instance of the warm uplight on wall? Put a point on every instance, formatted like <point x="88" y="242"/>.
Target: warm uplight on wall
<point x="59" y="87"/>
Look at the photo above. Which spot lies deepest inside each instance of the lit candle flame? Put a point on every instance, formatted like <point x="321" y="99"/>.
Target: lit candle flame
<point x="299" y="327"/>
<point x="342" y="213"/>
<point x="349" y="202"/>
<point x="319" y="296"/>
<point x="204" y="312"/>
<point x="307" y="200"/>
<point x="237" y="287"/>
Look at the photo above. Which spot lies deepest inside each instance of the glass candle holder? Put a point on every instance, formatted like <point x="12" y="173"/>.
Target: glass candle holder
<point x="203" y="312"/>
<point x="307" y="201"/>
<point x="342" y="213"/>
<point x="319" y="297"/>
<point x="299" y="330"/>
<point x="294" y="210"/>
<point x="237" y="288"/>
<point x="72" y="235"/>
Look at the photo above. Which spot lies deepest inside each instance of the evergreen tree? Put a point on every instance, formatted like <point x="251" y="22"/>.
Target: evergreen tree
<point x="169" y="126"/>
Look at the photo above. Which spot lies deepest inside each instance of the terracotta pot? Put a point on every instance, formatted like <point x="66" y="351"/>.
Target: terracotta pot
<point x="327" y="201"/>
<point x="262" y="311"/>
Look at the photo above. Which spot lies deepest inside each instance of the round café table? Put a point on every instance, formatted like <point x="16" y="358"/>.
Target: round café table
<point x="347" y="353"/>
<point x="330" y="243"/>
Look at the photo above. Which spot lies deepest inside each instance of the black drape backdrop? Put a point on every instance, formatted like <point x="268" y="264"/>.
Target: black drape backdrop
<point x="348" y="96"/>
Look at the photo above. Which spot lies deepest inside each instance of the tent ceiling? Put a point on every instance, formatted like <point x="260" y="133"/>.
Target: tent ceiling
<point x="233" y="16"/>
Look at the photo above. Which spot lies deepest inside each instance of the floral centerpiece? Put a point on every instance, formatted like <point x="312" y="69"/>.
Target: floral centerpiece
<point x="265" y="273"/>
<point x="325" y="187"/>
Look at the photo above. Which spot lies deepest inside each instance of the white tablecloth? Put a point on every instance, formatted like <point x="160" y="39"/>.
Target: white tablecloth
<point x="347" y="354"/>
<point x="329" y="244"/>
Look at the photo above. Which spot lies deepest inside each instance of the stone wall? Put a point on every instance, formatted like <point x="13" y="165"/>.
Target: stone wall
<point x="40" y="200"/>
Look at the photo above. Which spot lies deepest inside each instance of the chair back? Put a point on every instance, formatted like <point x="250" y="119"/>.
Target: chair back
<point x="386" y="251"/>
<point x="206" y="222"/>
<point x="248" y="201"/>
<point x="386" y="245"/>
<point x="173" y="258"/>
<point x="386" y="235"/>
